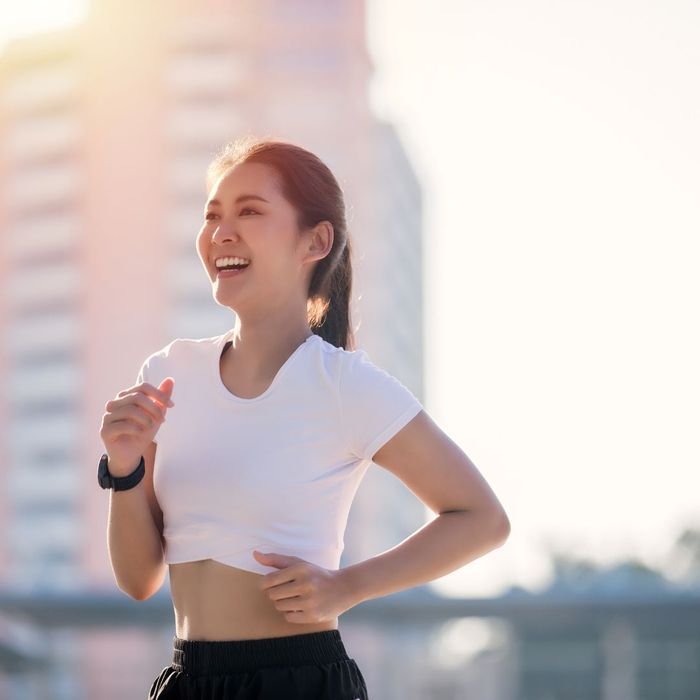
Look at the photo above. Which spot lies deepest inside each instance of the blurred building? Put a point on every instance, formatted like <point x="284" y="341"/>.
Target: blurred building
<point x="106" y="133"/>
<point x="106" y="130"/>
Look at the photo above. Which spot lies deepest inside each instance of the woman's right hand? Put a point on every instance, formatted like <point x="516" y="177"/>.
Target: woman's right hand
<point x="131" y="422"/>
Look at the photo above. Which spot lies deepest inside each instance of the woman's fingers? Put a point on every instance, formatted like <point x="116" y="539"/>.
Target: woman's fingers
<point x="139" y="405"/>
<point x="131" y="412"/>
<point x="134" y="411"/>
<point x="151" y="391"/>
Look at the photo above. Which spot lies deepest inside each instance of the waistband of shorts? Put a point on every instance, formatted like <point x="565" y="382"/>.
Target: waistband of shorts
<point x="202" y="657"/>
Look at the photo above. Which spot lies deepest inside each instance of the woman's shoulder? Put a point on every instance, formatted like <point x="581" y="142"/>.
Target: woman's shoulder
<point x="352" y="370"/>
<point x="340" y="359"/>
<point x="183" y="348"/>
<point x="331" y="349"/>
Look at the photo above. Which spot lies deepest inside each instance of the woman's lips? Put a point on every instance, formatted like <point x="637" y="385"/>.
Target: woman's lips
<point x="224" y="274"/>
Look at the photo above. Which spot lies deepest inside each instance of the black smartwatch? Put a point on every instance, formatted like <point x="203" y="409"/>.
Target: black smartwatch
<point x="119" y="483"/>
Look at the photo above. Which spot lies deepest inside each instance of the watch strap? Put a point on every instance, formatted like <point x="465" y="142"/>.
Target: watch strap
<point x="119" y="483"/>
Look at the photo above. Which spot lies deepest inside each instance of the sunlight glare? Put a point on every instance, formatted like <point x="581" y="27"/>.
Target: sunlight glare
<point x="36" y="16"/>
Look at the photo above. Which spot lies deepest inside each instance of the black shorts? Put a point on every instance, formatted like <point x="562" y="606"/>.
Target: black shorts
<point x="312" y="666"/>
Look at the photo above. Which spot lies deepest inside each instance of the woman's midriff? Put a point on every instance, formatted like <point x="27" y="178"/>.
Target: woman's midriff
<point x="217" y="602"/>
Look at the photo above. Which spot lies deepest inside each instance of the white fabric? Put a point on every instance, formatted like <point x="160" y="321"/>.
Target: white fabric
<point x="277" y="472"/>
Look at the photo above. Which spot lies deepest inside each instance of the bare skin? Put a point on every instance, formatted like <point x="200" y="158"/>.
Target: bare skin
<point x="217" y="602"/>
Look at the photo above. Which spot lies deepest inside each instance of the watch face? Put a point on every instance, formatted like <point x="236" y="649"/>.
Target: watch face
<point x="103" y="476"/>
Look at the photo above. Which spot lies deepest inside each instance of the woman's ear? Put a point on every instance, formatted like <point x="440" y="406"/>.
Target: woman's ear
<point x="321" y="240"/>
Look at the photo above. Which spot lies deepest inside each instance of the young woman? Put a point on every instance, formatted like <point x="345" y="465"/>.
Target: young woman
<point x="270" y="428"/>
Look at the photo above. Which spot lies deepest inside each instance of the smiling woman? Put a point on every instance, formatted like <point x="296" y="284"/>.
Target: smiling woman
<point x="259" y="199"/>
<point x="253" y="536"/>
<point x="275" y="245"/>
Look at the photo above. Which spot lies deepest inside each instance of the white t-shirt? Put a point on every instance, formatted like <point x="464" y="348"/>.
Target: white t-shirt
<point x="277" y="472"/>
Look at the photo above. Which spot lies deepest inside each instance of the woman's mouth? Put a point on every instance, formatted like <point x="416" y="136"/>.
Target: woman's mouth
<point x="224" y="274"/>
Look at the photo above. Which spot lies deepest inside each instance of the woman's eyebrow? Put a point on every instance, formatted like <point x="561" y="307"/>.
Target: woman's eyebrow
<point x="239" y="199"/>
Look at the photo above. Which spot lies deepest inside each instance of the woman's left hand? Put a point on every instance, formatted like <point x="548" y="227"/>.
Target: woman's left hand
<point x="304" y="592"/>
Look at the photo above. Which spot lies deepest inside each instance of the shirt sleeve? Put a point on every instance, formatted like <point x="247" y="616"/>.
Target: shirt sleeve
<point x="142" y="376"/>
<point x="374" y="405"/>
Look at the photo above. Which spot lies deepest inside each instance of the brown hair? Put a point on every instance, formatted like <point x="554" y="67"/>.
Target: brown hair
<point x="312" y="189"/>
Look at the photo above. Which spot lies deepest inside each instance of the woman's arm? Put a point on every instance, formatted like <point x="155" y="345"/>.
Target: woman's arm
<point x="471" y="521"/>
<point x="134" y="533"/>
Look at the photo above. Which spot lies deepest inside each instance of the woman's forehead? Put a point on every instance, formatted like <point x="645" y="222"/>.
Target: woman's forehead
<point x="249" y="175"/>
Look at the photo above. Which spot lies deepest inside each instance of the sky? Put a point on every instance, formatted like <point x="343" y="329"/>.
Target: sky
<point x="559" y="153"/>
<point x="559" y="150"/>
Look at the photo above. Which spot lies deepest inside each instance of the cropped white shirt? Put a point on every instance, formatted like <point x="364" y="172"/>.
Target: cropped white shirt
<point x="277" y="472"/>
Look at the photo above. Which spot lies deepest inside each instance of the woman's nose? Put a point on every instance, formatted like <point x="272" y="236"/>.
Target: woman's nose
<point x="225" y="232"/>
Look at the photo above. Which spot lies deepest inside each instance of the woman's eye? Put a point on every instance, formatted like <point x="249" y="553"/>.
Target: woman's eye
<point x="245" y="209"/>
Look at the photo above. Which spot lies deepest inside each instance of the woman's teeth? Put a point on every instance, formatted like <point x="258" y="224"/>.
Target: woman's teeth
<point x="239" y="263"/>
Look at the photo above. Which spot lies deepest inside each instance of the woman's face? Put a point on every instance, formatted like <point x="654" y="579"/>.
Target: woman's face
<point x="263" y="232"/>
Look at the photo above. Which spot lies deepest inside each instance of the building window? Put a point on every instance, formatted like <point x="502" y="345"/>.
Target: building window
<point x="33" y="89"/>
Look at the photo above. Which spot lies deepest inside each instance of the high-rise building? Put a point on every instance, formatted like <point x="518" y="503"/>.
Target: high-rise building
<point x="106" y="130"/>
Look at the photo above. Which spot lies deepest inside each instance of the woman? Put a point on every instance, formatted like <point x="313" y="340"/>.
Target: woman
<point x="246" y="491"/>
